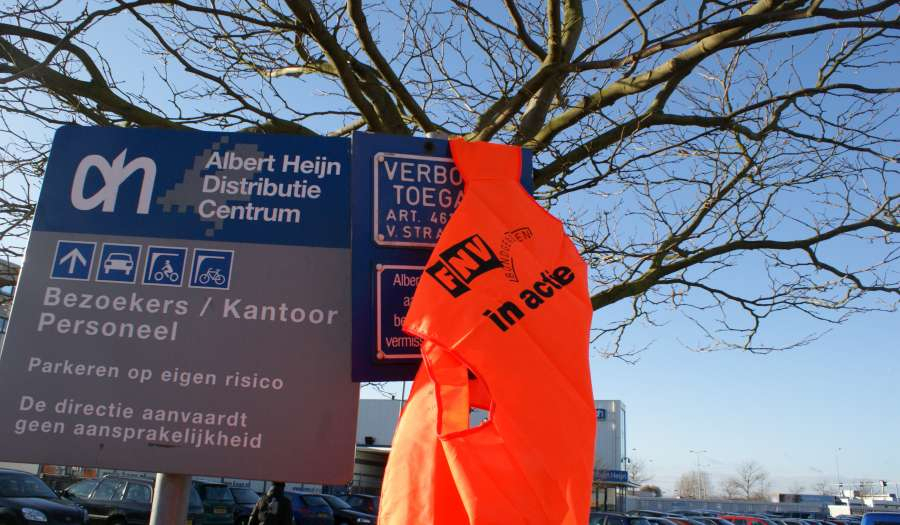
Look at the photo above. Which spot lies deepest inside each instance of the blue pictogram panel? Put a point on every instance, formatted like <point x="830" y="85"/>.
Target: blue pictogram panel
<point x="211" y="269"/>
<point x="118" y="263"/>
<point x="164" y="266"/>
<point x="73" y="260"/>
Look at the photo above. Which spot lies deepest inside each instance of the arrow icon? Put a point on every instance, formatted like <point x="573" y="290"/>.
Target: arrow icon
<point x="73" y="260"/>
<point x="73" y="257"/>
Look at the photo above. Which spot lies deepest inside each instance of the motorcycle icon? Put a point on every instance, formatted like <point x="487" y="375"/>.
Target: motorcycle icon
<point x="165" y="266"/>
<point x="166" y="272"/>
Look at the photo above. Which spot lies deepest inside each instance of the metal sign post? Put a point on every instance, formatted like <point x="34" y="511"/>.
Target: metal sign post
<point x="170" y="499"/>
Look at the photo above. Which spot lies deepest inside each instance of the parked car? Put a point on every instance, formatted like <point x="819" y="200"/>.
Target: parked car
<point x="746" y="520"/>
<point x="244" y="501"/>
<point x="310" y="509"/>
<point x="122" y="500"/>
<point x="344" y="514"/>
<point x="880" y="518"/>
<point x="708" y="520"/>
<point x="218" y="503"/>
<point x="363" y="503"/>
<point x="655" y="520"/>
<point x="649" y="513"/>
<point x="798" y="521"/>
<point x="616" y="518"/>
<point x="845" y="520"/>
<point x="681" y="520"/>
<point x="25" y="498"/>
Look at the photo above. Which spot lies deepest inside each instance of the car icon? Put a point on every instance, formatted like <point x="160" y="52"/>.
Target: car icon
<point x="119" y="262"/>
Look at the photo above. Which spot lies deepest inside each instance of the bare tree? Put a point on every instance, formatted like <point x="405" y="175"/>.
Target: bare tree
<point x="730" y="490"/>
<point x="722" y="162"/>
<point x="694" y="485"/>
<point x="750" y="481"/>
<point x="637" y="472"/>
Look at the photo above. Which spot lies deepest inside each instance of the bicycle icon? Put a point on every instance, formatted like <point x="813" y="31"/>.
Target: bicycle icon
<point x="214" y="275"/>
<point x="211" y="269"/>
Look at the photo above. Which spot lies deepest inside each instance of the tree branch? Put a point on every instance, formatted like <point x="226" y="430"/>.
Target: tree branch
<point x="677" y="66"/>
<point x="378" y="120"/>
<point x="652" y="277"/>
<point x="96" y="90"/>
<point x="522" y="33"/>
<point x="384" y="69"/>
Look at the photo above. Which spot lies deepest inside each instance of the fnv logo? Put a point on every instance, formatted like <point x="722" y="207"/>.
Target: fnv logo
<point x="113" y="176"/>
<point x="462" y="263"/>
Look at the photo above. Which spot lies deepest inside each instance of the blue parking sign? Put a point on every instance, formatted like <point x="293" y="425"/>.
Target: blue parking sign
<point x="164" y="266"/>
<point x="73" y="260"/>
<point x="118" y="263"/>
<point x="211" y="269"/>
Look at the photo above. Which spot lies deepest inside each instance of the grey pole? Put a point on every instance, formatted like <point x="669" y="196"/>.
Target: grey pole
<point x="170" y="499"/>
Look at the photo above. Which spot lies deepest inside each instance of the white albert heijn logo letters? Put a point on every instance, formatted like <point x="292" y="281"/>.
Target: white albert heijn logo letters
<point x="113" y="176"/>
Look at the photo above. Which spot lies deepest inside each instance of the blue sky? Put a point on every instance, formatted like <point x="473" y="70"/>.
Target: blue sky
<point x="790" y="411"/>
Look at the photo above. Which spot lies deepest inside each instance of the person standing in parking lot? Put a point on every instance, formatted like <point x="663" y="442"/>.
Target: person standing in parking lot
<point x="272" y="509"/>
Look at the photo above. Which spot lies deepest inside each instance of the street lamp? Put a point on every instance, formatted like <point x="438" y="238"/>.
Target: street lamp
<point x="837" y="466"/>
<point x="699" y="485"/>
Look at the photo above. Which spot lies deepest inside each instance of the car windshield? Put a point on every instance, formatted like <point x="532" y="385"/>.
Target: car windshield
<point x="244" y="496"/>
<point x="82" y="489"/>
<point x="315" y="501"/>
<point x="14" y="485"/>
<point x="218" y="493"/>
<point x="195" y="501"/>
<point x="336" y="502"/>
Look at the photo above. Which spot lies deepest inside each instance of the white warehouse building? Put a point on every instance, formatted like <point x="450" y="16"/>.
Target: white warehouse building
<point x="378" y="418"/>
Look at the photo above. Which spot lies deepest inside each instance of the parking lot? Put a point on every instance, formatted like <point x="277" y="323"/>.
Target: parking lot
<point x="711" y="517"/>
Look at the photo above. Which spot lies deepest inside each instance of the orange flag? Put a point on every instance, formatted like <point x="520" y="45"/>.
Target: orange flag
<point x="504" y="313"/>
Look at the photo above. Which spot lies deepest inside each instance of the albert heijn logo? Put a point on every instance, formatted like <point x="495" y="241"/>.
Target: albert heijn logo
<point x="462" y="263"/>
<point x="113" y="174"/>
